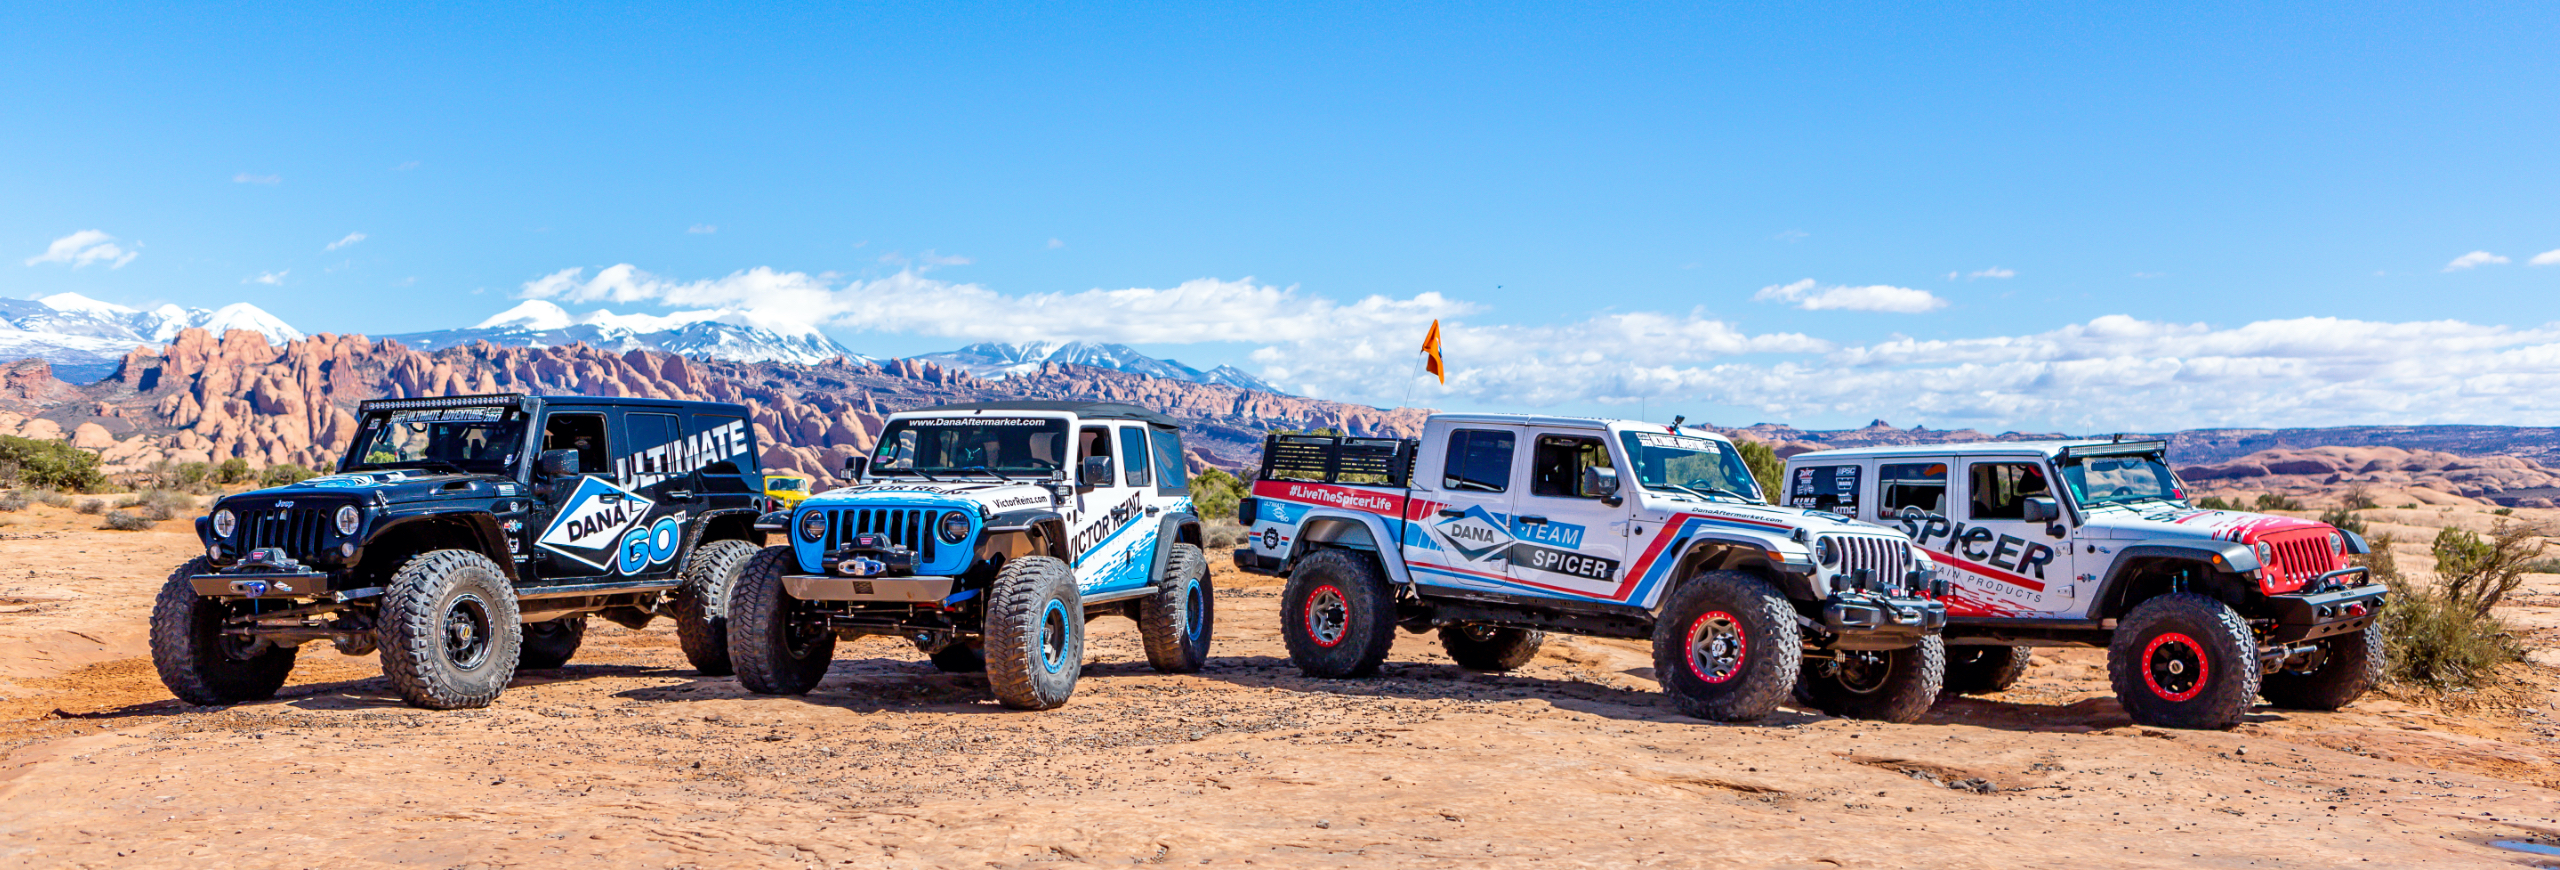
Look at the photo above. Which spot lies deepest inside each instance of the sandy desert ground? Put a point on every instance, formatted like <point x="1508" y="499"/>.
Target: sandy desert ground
<point x="626" y="759"/>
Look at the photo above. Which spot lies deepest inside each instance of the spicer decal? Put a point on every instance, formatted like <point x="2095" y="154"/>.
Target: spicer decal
<point x="1981" y="545"/>
<point x="1482" y="536"/>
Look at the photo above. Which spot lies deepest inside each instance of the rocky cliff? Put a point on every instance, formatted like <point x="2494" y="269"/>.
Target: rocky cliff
<point x="203" y="398"/>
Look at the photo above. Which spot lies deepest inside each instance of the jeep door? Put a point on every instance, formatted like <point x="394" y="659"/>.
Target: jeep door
<point x="1567" y="539"/>
<point x="660" y="465"/>
<point x="1460" y="508"/>
<point x="731" y="476"/>
<point x="579" y="518"/>
<point x="1112" y="544"/>
<point x="2010" y="558"/>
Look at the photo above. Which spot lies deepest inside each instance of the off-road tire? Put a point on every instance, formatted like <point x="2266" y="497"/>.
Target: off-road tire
<point x="549" y="645"/>
<point x="2353" y="665"/>
<point x="1491" y="648"/>
<point x="2161" y="641"/>
<point x="1899" y="687"/>
<point x="775" y="652"/>
<point x="1179" y="620"/>
<point x="1337" y="615"/>
<point x="1982" y="670"/>
<point x="448" y="630"/>
<point x="1034" y="634"/>
<point x="195" y="661"/>
<point x="1727" y="612"/>
<point x="701" y="604"/>
<point x="960" y="658"/>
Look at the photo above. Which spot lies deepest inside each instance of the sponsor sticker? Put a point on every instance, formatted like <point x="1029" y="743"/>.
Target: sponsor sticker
<point x="593" y="521"/>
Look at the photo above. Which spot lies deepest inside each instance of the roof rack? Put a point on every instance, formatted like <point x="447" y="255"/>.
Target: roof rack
<point x="1097" y="410"/>
<point x="1338" y="459"/>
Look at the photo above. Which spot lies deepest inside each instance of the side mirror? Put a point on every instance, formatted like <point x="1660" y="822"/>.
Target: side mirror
<point x="558" y="463"/>
<point x="854" y="466"/>
<point x="2040" y="509"/>
<point x="1600" y="482"/>
<point x="1096" y="471"/>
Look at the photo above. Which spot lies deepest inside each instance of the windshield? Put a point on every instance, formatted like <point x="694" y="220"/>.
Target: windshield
<point x="1704" y="466"/>
<point x="480" y="440"/>
<point x="940" y="446"/>
<point x="2104" y="480"/>
<point x="785" y="484"/>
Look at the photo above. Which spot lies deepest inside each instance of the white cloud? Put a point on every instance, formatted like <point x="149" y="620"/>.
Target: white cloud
<point x="702" y="229"/>
<point x="85" y="247"/>
<point x="2546" y="258"/>
<point x="351" y="238"/>
<point x="246" y="178"/>
<point x="1807" y="295"/>
<point x="2474" y="259"/>
<point x="1994" y="272"/>
<point x="275" y="278"/>
<point x="1054" y="244"/>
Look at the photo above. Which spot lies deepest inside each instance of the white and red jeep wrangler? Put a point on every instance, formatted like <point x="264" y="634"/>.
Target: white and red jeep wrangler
<point x="2093" y="543"/>
<point x="1494" y="529"/>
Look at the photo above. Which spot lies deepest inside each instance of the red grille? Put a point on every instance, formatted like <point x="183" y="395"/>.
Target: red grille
<point x="2300" y="555"/>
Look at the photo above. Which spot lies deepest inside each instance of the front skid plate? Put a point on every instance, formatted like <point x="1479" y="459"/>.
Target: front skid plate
<point x="249" y="585"/>
<point x="903" y="590"/>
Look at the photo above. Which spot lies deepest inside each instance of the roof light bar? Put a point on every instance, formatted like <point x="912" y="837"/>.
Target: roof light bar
<point x="508" y="400"/>
<point x="2120" y="448"/>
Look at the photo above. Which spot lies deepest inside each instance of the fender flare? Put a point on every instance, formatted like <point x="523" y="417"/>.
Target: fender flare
<point x="1169" y="531"/>
<point x="1796" y="584"/>
<point x="1048" y="524"/>
<point x="2234" y="558"/>
<point x="483" y="526"/>
<point x="1371" y="525"/>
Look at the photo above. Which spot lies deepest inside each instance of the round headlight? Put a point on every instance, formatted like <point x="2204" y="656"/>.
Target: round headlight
<point x="955" y="527"/>
<point x="2337" y="544"/>
<point x="347" y="518"/>
<point x="1823" y="549"/>
<point x="2266" y="555"/>
<point x="813" y="525"/>
<point x="225" y="522"/>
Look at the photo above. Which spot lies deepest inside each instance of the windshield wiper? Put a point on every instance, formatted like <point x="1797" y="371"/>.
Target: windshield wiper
<point x="457" y="469"/>
<point x="1709" y="494"/>
<point x="998" y="474"/>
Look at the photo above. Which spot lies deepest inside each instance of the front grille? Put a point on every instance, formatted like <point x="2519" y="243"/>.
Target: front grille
<point x="911" y="528"/>
<point x="1888" y="560"/>
<point x="2302" y="555"/>
<point x="295" y="530"/>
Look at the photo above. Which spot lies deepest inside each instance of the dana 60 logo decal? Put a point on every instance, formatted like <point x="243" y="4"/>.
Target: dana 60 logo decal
<point x="654" y="545"/>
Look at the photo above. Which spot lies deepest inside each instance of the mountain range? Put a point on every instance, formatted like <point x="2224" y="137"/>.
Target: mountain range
<point x="84" y="338"/>
<point x="999" y="360"/>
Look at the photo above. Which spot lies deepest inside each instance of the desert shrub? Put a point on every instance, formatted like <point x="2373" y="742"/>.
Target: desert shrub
<point x="1222" y="533"/>
<point x="53" y="499"/>
<point x="1765" y="467"/>
<point x="2273" y="502"/>
<point x="2479" y="572"/>
<point x="158" y="504"/>
<point x="125" y="522"/>
<point x="2358" y="497"/>
<point x="279" y="475"/>
<point x="233" y="470"/>
<point x="14" y="501"/>
<point x="1214" y="494"/>
<point x="2543" y="566"/>
<point x="2443" y="635"/>
<point x="93" y="506"/>
<point x="2216" y="503"/>
<point x="49" y="464"/>
<point x="2505" y="512"/>
<point x="2344" y="518"/>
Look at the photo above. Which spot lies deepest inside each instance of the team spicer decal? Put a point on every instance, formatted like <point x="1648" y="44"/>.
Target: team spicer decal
<point x="1480" y="536"/>
<point x="593" y="523"/>
<point x="648" y="466"/>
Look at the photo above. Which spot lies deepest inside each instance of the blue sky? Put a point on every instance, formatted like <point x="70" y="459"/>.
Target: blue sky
<point x="1540" y="175"/>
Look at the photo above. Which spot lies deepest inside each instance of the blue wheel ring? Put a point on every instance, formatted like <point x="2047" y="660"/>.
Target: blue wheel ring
<point x="1053" y="655"/>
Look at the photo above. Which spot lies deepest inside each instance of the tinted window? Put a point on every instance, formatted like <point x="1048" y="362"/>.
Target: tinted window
<point x="2000" y="489"/>
<point x="583" y="433"/>
<point x="1555" y="468"/>
<point x="1133" y="444"/>
<point x="1920" y="485"/>
<point x="652" y="439"/>
<point x="1831" y="488"/>
<point x="1478" y="460"/>
<point x="1172" y="473"/>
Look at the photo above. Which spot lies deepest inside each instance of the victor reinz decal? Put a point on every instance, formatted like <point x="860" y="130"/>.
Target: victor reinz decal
<point x="594" y="521"/>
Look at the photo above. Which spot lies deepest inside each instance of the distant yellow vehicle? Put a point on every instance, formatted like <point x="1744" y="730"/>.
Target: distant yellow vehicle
<point x="786" y="490"/>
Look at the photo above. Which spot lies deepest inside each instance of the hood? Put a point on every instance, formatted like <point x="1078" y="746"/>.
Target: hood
<point x="1812" y="521"/>
<point x="996" y="498"/>
<point x="395" y="485"/>
<point x="2174" y="520"/>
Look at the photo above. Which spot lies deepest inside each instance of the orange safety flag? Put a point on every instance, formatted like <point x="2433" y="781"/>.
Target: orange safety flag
<point x="1431" y="352"/>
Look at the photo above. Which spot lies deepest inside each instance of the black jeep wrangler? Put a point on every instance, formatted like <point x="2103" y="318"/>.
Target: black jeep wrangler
<point x="467" y="536"/>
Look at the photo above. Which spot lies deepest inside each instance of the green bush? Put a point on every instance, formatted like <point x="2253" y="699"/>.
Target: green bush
<point x="158" y="504"/>
<point x="125" y="522"/>
<point x="2216" y="503"/>
<point x="1765" y="467"/>
<point x="279" y="475"/>
<point x="2443" y="636"/>
<point x="54" y="499"/>
<point x="1214" y="494"/>
<point x="13" y="502"/>
<point x="233" y="470"/>
<point x="2344" y="518"/>
<point x="2358" y="497"/>
<point x="2274" y="502"/>
<point x="49" y="464"/>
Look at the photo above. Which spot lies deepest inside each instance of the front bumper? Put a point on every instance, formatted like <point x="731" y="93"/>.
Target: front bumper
<point x="935" y="591"/>
<point x="276" y="584"/>
<point x="2314" y="615"/>
<point x="1878" y="622"/>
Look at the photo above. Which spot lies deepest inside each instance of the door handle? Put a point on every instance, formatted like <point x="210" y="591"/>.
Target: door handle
<point x="1452" y="513"/>
<point x="679" y="493"/>
<point x="1533" y="521"/>
<point x="1151" y="510"/>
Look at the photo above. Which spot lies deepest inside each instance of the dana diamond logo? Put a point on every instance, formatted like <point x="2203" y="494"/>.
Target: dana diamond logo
<point x="590" y="526"/>
<point x="1476" y="535"/>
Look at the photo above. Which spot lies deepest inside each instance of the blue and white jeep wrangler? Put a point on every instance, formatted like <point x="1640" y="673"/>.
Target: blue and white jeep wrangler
<point x="987" y="534"/>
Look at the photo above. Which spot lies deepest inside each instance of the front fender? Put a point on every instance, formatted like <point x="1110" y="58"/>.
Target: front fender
<point x="2231" y="556"/>
<point x="480" y="525"/>
<point x="1355" y="530"/>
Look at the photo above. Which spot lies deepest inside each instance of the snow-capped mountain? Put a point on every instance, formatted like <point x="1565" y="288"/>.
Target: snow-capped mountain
<point x="999" y="360"/>
<point x="85" y="338"/>
<point x="715" y="334"/>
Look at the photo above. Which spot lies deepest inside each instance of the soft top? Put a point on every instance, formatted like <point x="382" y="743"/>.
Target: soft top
<point x="1089" y="410"/>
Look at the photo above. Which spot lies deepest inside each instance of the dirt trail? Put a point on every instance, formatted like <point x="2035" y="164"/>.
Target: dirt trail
<point x="627" y="759"/>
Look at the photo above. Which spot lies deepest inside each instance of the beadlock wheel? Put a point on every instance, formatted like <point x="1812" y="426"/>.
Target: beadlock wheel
<point x="1716" y="646"/>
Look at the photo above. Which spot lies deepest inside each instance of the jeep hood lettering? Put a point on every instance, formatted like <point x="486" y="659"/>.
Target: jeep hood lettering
<point x="2170" y="520"/>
